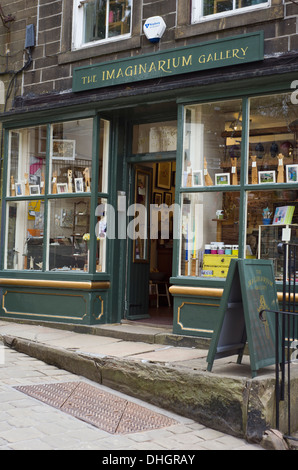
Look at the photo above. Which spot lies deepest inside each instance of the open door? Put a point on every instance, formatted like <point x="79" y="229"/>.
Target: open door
<point x="138" y="260"/>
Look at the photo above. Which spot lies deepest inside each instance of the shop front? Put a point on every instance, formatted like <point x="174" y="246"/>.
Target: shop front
<point x="128" y="198"/>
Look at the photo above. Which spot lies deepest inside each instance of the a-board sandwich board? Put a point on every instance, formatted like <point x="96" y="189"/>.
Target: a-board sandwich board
<point x="250" y="288"/>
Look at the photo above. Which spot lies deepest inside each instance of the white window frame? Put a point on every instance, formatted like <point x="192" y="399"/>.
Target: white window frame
<point x="78" y="28"/>
<point x="197" y="11"/>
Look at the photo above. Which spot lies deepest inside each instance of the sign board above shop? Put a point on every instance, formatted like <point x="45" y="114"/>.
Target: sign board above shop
<point x="236" y="50"/>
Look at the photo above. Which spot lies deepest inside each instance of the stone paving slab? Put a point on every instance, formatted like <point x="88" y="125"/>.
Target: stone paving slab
<point x="170" y="377"/>
<point x="28" y="424"/>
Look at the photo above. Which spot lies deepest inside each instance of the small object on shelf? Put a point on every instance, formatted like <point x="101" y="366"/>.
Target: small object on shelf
<point x="54" y="188"/>
<point x="208" y="180"/>
<point x="12" y="187"/>
<point x="254" y="170"/>
<point x="234" y="171"/>
<point x="69" y="178"/>
<point x="267" y="216"/>
<point x="42" y="183"/>
<point x="27" y="189"/>
<point x="280" y="169"/>
<point x="283" y="215"/>
<point x="87" y="179"/>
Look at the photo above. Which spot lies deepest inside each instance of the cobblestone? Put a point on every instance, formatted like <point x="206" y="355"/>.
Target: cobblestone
<point x="28" y="424"/>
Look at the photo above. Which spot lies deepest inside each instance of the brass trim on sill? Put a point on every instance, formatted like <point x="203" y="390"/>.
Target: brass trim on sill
<point x="89" y="285"/>
<point x="197" y="291"/>
<point x="213" y="292"/>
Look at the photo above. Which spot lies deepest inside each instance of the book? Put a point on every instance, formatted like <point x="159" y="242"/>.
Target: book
<point x="283" y="215"/>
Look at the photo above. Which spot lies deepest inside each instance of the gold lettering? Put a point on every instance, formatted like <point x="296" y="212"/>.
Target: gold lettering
<point x="244" y="50"/>
<point x="128" y="71"/>
<point x="174" y="63"/>
<point x="161" y="64"/>
<point x="235" y="53"/>
<point x="103" y="75"/>
<point x="227" y="54"/>
<point x="209" y="58"/>
<point x="186" y="62"/>
<point x="152" y="67"/>
<point x="84" y="80"/>
<point x="202" y="59"/>
<point x="120" y="73"/>
<point x="142" y="69"/>
<point x="110" y="75"/>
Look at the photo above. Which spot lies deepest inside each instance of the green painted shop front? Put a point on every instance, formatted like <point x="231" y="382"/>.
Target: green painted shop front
<point x="75" y="166"/>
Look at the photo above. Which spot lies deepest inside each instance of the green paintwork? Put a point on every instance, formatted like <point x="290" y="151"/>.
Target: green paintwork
<point x="250" y="288"/>
<point x="71" y="306"/>
<point x="199" y="57"/>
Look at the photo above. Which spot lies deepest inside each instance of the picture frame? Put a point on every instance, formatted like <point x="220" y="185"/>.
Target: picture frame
<point x="62" y="188"/>
<point x="222" y="179"/>
<point x="79" y="185"/>
<point x="157" y="199"/>
<point x="292" y="173"/>
<point x="197" y="178"/>
<point x="34" y="190"/>
<point x="164" y="175"/>
<point x="19" y="189"/>
<point x="168" y="199"/>
<point x="267" y="177"/>
<point x="63" y="149"/>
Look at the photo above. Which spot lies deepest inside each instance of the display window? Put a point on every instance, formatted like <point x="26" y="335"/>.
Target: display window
<point x="212" y="144"/>
<point x="239" y="183"/>
<point x="49" y="197"/>
<point x="209" y="233"/>
<point x="273" y="128"/>
<point x="27" y="162"/>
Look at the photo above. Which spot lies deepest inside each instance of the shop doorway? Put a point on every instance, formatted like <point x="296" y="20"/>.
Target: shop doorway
<point x="150" y="250"/>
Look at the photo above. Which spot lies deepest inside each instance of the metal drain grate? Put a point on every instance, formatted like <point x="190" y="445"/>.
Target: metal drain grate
<point x="94" y="406"/>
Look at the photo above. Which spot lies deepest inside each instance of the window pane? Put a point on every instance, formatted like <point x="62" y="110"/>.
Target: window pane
<point x="24" y="235"/>
<point x="248" y="3"/>
<point x="155" y="137"/>
<point x="101" y="235"/>
<point x="217" y="6"/>
<point x="71" y="157"/>
<point x="26" y="166"/>
<point x="106" y="19"/>
<point x="209" y="234"/>
<point x="273" y="140"/>
<point x="119" y="17"/>
<point x="95" y="14"/>
<point x="68" y="222"/>
<point x="212" y="144"/>
<point x="264" y="229"/>
<point x="104" y="148"/>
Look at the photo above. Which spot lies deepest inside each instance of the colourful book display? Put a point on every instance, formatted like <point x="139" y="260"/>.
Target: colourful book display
<point x="283" y="215"/>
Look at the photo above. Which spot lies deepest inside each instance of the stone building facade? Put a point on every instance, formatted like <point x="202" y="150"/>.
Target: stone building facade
<point x="203" y="118"/>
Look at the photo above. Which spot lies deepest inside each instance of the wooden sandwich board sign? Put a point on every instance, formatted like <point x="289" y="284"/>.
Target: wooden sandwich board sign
<point x="250" y="288"/>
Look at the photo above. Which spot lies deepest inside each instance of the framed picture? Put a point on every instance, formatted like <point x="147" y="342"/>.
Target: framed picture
<point x="164" y="175"/>
<point x="266" y="177"/>
<point x="222" y="179"/>
<point x="62" y="188"/>
<point x="157" y="199"/>
<point x="168" y="199"/>
<point x="34" y="190"/>
<point x="197" y="178"/>
<point x="79" y="185"/>
<point x="63" y="149"/>
<point x="292" y="173"/>
<point x="19" y="189"/>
